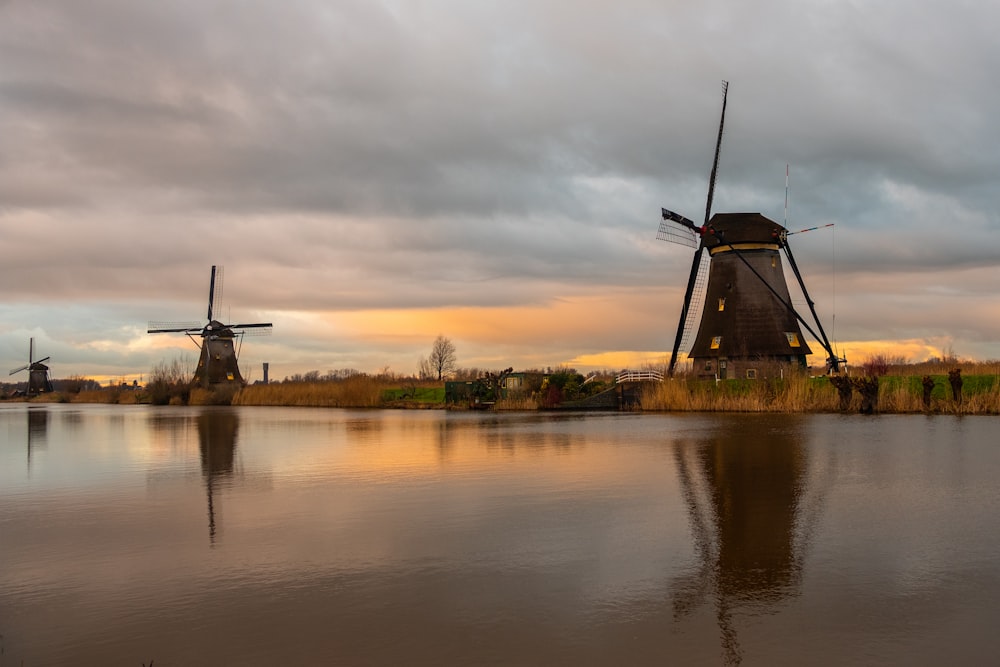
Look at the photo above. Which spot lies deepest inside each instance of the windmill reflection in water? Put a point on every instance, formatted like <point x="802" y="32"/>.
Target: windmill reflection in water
<point x="217" y="432"/>
<point x="38" y="428"/>
<point x="752" y="514"/>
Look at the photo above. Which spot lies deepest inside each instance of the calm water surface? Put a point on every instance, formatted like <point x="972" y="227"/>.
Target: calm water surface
<point x="270" y="536"/>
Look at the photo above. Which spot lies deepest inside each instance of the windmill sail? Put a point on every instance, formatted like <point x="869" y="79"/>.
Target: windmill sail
<point x="672" y="233"/>
<point x="718" y="151"/>
<point x="677" y="233"/>
<point x="173" y="327"/>
<point x="697" y="303"/>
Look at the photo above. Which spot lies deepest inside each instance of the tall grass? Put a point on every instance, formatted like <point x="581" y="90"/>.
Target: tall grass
<point x="793" y="393"/>
<point x="360" y="391"/>
<point x="800" y="393"/>
<point x="517" y="402"/>
<point x="109" y="396"/>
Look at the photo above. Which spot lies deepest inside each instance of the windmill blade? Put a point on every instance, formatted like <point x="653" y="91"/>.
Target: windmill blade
<point x="697" y="304"/>
<point x="685" y="309"/>
<point x="809" y="229"/>
<point x="258" y="329"/>
<point x="252" y="331"/>
<point x="220" y="274"/>
<point x="677" y="217"/>
<point x="173" y="327"/>
<point x="211" y="293"/>
<point x="22" y="368"/>
<point x="718" y="149"/>
<point x="676" y="233"/>
<point x="40" y="361"/>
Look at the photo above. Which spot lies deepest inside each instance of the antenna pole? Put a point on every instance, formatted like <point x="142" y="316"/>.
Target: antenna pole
<point x="785" y="224"/>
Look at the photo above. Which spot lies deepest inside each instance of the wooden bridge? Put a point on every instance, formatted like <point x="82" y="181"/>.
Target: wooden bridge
<point x="624" y="395"/>
<point x="639" y="376"/>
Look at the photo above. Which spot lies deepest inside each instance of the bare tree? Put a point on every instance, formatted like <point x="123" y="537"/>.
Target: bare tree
<point x="424" y="370"/>
<point x="442" y="360"/>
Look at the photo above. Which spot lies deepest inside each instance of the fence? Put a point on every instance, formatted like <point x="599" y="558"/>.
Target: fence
<point x="639" y="376"/>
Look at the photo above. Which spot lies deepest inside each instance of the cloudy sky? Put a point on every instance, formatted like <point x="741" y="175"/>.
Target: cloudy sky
<point x="374" y="173"/>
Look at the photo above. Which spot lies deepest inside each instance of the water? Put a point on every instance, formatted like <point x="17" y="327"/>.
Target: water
<point x="267" y="536"/>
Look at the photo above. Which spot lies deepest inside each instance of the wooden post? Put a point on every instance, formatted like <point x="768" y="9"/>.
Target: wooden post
<point x="843" y="385"/>
<point x="868" y="388"/>
<point x="928" y="383"/>
<point x="955" y="380"/>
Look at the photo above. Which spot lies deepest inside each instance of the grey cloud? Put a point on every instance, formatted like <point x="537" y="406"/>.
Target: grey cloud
<point x="387" y="155"/>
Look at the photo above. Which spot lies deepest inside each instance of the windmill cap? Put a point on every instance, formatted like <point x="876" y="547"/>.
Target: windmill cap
<point x="741" y="228"/>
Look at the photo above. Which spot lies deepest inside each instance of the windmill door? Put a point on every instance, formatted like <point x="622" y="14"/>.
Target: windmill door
<point x="723" y="368"/>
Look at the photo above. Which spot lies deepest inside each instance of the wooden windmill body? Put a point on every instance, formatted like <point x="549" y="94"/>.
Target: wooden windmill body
<point x="748" y="324"/>
<point x="218" y="360"/>
<point x="745" y="322"/>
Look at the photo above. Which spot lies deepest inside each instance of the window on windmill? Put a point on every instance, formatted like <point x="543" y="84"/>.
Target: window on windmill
<point x="229" y="376"/>
<point x="716" y="342"/>
<point x="722" y="303"/>
<point x="774" y="262"/>
<point x="708" y="365"/>
<point x="793" y="339"/>
<point x="751" y="373"/>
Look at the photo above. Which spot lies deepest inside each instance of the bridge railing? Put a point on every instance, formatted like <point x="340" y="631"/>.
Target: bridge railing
<point x="639" y="376"/>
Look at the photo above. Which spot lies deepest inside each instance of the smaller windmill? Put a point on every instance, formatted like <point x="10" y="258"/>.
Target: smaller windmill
<point x="220" y="343"/>
<point x="38" y="372"/>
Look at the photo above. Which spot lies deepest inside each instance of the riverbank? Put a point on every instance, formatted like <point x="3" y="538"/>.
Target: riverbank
<point x="796" y="393"/>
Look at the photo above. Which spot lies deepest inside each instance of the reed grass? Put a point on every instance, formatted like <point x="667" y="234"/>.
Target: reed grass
<point x="793" y="393"/>
<point x="360" y="391"/>
<point x="801" y="393"/>
<point x="106" y="396"/>
<point x="520" y="403"/>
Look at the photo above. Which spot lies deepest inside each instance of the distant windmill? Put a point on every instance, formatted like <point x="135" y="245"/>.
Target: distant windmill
<point x="38" y="372"/>
<point x="217" y="363"/>
<point x="747" y="317"/>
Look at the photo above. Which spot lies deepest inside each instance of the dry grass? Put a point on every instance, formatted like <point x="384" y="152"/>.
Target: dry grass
<point x="360" y="391"/>
<point x="800" y="393"/>
<point x="221" y="395"/>
<point x="517" y="403"/>
<point x="794" y="393"/>
<point x="903" y="393"/>
<point x="108" y="396"/>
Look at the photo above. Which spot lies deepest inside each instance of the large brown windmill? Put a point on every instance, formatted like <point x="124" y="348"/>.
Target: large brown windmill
<point x="38" y="372"/>
<point x="748" y="322"/>
<point x="220" y="342"/>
